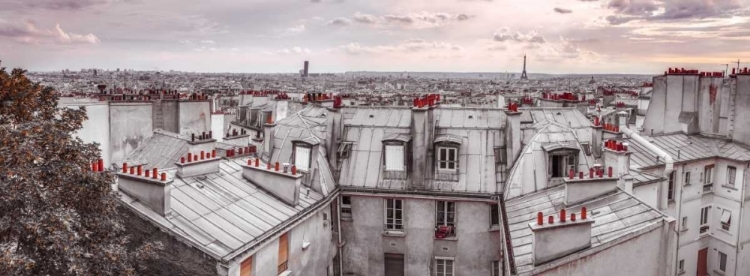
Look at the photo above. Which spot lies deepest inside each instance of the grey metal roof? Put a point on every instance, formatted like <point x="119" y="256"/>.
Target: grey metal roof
<point x="221" y="212"/>
<point x="375" y="116"/>
<point x="568" y="116"/>
<point x="161" y="150"/>
<point x="483" y="118"/>
<point x="683" y="148"/>
<point x="643" y="178"/>
<point x="615" y="215"/>
<point x="448" y="138"/>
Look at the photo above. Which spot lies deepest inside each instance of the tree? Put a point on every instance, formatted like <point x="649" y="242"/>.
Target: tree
<point x="57" y="216"/>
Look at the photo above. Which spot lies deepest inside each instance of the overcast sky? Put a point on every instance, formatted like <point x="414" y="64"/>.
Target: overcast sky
<point x="558" y="36"/>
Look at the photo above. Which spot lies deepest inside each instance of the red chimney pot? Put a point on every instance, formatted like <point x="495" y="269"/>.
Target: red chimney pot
<point x="539" y="218"/>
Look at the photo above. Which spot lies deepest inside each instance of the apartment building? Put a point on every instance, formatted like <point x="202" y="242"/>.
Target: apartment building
<point x="695" y="137"/>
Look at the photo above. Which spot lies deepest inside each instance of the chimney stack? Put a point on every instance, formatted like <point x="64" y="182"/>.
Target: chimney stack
<point x="561" y="236"/>
<point x="154" y="191"/>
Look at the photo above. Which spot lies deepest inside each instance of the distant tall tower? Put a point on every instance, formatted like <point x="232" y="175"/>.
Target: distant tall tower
<point x="523" y="74"/>
<point x="304" y="73"/>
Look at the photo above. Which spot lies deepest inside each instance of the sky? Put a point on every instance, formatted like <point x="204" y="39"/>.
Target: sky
<point x="270" y="36"/>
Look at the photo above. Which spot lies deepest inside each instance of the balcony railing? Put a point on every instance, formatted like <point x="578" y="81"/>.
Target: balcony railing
<point x="704" y="229"/>
<point x="283" y="267"/>
<point x="708" y="187"/>
<point x="395" y="175"/>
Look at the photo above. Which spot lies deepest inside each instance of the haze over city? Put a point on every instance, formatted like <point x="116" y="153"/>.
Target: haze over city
<point x="571" y="36"/>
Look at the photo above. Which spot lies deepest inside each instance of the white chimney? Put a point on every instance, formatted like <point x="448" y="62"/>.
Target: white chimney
<point x="554" y="238"/>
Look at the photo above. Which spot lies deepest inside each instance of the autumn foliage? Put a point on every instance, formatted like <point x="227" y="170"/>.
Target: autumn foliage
<point x="57" y="216"/>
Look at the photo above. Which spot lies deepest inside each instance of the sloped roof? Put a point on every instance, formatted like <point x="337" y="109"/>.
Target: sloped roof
<point x="376" y="116"/>
<point x="161" y="150"/>
<point x="615" y="215"/>
<point x="219" y="213"/>
<point x="690" y="147"/>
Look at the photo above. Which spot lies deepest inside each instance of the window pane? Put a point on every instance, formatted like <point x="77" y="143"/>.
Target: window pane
<point x="442" y="154"/>
<point x="302" y="158"/>
<point x="451" y="165"/>
<point x="452" y="154"/>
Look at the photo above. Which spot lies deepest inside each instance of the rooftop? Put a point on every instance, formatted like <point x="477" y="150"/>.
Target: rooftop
<point x="616" y="215"/>
<point x="683" y="148"/>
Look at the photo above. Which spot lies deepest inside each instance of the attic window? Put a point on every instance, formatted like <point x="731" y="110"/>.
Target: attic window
<point x="586" y="148"/>
<point x="302" y="155"/>
<point x="726" y="219"/>
<point x="344" y="150"/>
<point x="394" y="157"/>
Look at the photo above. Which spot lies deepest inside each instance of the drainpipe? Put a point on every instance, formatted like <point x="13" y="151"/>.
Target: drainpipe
<point x="739" y="224"/>
<point x="669" y="167"/>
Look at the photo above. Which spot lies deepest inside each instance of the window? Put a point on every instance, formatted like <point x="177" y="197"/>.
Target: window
<point x="394" y="210"/>
<point x="704" y="219"/>
<point x="501" y="156"/>
<point x="443" y="266"/>
<point x="445" y="222"/>
<point x="302" y="157"/>
<point x="687" y="178"/>
<point x="560" y="165"/>
<point x="447" y="158"/>
<point x="346" y="207"/>
<point x="394" y="158"/>
<point x="726" y="219"/>
<point x="670" y="191"/>
<point x="246" y="267"/>
<point x="586" y="148"/>
<point x="722" y="262"/>
<point x="731" y="174"/>
<point x="495" y="268"/>
<point x="708" y="175"/>
<point x="344" y="149"/>
<point x="283" y="253"/>
<point x="494" y="215"/>
<point x="681" y="266"/>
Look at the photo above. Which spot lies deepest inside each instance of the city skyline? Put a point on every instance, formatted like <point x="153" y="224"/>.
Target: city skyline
<point x="582" y="36"/>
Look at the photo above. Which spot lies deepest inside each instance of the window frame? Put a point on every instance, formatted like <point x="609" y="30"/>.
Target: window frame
<point x="501" y="155"/>
<point x="404" y="163"/>
<point x="722" y="262"/>
<point x="681" y="266"/>
<point x="495" y="266"/>
<point x="445" y="261"/>
<point x="670" y="186"/>
<point x="708" y="174"/>
<point x="731" y="180"/>
<point x="728" y="224"/>
<point x="346" y="209"/>
<point x="687" y="179"/>
<point x="397" y="223"/>
<point x="564" y="156"/>
<point x="302" y="145"/>
<point x="705" y="219"/>
<point x="684" y="223"/>
<point x="494" y="215"/>
<point x="446" y="211"/>
<point x="439" y="161"/>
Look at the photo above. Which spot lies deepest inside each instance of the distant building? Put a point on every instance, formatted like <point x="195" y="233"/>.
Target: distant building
<point x="305" y="69"/>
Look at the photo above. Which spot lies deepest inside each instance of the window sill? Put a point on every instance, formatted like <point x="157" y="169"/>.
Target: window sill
<point x="681" y="272"/>
<point x="286" y="273"/>
<point x="719" y="272"/>
<point x="729" y="187"/>
<point x="393" y="233"/>
<point x="494" y="228"/>
<point x="684" y="230"/>
<point x="346" y="219"/>
<point x="446" y="239"/>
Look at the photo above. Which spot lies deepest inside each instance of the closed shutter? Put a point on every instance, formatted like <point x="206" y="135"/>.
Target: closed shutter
<point x="283" y="252"/>
<point x="246" y="268"/>
<point x="394" y="264"/>
<point x="302" y="158"/>
<point x="394" y="158"/>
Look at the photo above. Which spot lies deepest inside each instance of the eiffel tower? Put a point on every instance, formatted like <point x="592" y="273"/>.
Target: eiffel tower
<point x="523" y="75"/>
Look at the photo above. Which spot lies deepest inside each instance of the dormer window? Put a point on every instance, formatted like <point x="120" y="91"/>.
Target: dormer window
<point x="562" y="158"/>
<point x="394" y="157"/>
<point x="302" y="155"/>
<point x="447" y="158"/>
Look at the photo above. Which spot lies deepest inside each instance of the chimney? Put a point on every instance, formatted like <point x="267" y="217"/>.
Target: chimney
<point x="198" y="163"/>
<point x="560" y="234"/>
<point x="421" y="115"/>
<point x="581" y="187"/>
<point x="597" y="139"/>
<point x="512" y="133"/>
<point x="154" y="191"/>
<point x="203" y="141"/>
<point x="334" y="133"/>
<point x="268" y="137"/>
<point x="617" y="156"/>
<point x="260" y="98"/>
<point x="281" y="108"/>
<point x="284" y="185"/>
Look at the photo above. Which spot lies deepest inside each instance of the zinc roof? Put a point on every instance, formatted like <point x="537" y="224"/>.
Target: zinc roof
<point x="684" y="148"/>
<point x="615" y="215"/>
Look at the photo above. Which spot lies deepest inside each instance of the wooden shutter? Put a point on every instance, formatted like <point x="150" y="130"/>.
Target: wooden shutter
<point x="302" y="158"/>
<point x="246" y="268"/>
<point x="283" y="251"/>
<point x="394" y="155"/>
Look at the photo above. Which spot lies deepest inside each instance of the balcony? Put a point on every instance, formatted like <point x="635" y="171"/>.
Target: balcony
<point x="708" y="188"/>
<point x="704" y="229"/>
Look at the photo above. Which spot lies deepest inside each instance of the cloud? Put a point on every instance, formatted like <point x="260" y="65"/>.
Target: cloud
<point x="414" y="45"/>
<point x="290" y="51"/>
<point x="57" y="5"/>
<point x="211" y="42"/>
<point x="414" y="20"/>
<point x="670" y="10"/>
<point x="561" y="10"/>
<point x="29" y="33"/>
<point x="532" y="37"/>
<point x="341" y="21"/>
